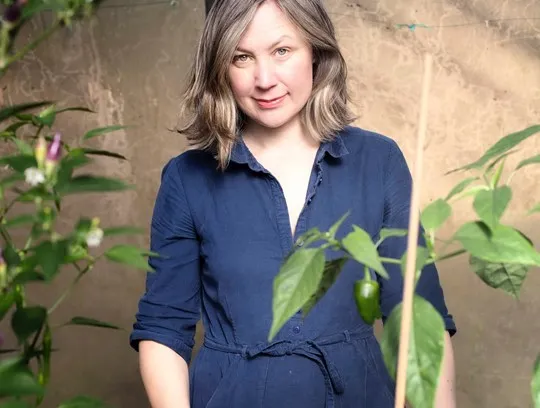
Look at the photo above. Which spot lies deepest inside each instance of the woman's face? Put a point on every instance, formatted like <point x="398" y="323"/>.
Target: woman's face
<point x="271" y="74"/>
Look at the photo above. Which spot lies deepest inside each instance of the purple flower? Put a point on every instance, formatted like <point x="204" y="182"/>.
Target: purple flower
<point x="55" y="148"/>
<point x="13" y="12"/>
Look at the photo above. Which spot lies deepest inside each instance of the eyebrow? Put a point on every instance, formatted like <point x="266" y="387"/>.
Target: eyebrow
<point x="275" y="43"/>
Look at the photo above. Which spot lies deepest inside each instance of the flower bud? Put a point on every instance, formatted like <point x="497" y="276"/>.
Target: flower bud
<point x="53" y="154"/>
<point x="40" y="151"/>
<point x="3" y="270"/>
<point x="13" y="12"/>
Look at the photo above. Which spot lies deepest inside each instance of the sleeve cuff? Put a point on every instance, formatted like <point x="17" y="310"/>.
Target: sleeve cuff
<point x="178" y="346"/>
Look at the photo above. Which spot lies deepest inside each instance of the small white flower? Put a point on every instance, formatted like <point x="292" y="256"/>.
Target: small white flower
<point x="34" y="176"/>
<point x="94" y="237"/>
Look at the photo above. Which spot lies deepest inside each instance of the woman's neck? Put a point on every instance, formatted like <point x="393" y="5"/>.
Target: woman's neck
<point x="291" y="136"/>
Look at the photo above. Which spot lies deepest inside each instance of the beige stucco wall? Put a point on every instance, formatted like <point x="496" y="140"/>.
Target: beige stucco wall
<point x="128" y="64"/>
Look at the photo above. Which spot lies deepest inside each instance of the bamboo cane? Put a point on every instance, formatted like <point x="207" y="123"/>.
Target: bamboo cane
<point x="408" y="290"/>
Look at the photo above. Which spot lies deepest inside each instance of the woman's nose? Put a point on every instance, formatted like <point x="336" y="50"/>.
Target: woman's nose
<point x="265" y="74"/>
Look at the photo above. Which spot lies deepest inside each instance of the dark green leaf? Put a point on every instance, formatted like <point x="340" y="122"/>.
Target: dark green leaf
<point x="426" y="351"/>
<point x="103" y="130"/>
<point x="359" y="244"/>
<point x="47" y="116"/>
<point x="28" y="276"/>
<point x="331" y="272"/>
<point x="50" y="256"/>
<point x="7" y="299"/>
<point x="508" y="277"/>
<point x="10" y="111"/>
<point x="18" y="163"/>
<point x="297" y="280"/>
<point x="435" y="214"/>
<point x="530" y="160"/>
<point x="20" y="220"/>
<point x="16" y="380"/>
<point x="122" y="230"/>
<point x="128" y="255"/>
<point x="15" y="404"/>
<point x="89" y="184"/>
<point x="11" y="179"/>
<point x="83" y="402"/>
<point x="11" y="256"/>
<point x="334" y="228"/>
<point x="502" y="244"/>
<point x="15" y="126"/>
<point x="535" y="383"/>
<point x="24" y="148"/>
<point x="86" y="321"/>
<point x="491" y="204"/>
<point x="501" y="146"/>
<point x="98" y="152"/>
<point x="28" y="320"/>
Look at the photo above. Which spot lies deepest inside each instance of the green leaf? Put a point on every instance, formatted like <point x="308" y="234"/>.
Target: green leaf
<point x="83" y="402"/>
<point x="11" y="179"/>
<point x="28" y="320"/>
<point x="24" y="148"/>
<point x="491" y="204"/>
<point x="422" y="256"/>
<point x="107" y="232"/>
<point x="20" y="220"/>
<point x="391" y="232"/>
<point x="103" y="130"/>
<point x="331" y="271"/>
<point x="16" y="379"/>
<point x="92" y="184"/>
<point x="530" y="160"/>
<point x="334" y="228"/>
<point x="10" y="111"/>
<point x="129" y="255"/>
<point x="87" y="321"/>
<point x="7" y="299"/>
<point x="501" y="244"/>
<point x="307" y="238"/>
<point x="76" y="108"/>
<point x="508" y="277"/>
<point x="47" y="116"/>
<point x="435" y="214"/>
<point x="98" y="152"/>
<point x="535" y="383"/>
<point x="535" y="209"/>
<point x="19" y="162"/>
<point x="297" y="280"/>
<point x="426" y="351"/>
<point x="28" y="276"/>
<point x="359" y="244"/>
<point x="15" y="404"/>
<point x="501" y="146"/>
<point x="50" y="256"/>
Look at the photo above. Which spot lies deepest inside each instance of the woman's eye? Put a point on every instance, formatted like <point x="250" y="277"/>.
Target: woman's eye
<point x="282" y="51"/>
<point x="240" y="58"/>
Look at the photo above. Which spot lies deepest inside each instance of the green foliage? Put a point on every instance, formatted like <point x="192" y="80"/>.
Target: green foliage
<point x="40" y="170"/>
<point x="499" y="254"/>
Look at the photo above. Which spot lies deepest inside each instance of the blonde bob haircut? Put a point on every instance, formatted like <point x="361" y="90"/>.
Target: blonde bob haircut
<point x="213" y="119"/>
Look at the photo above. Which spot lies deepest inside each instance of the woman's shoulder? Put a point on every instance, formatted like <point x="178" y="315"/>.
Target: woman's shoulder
<point x="359" y="140"/>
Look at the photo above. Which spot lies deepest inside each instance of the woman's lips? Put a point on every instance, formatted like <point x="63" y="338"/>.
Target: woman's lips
<point x="270" y="103"/>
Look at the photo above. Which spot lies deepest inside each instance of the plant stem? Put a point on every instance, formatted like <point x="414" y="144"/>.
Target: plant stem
<point x="29" y="47"/>
<point x="6" y="236"/>
<point x="448" y="256"/>
<point x="390" y="260"/>
<point x="70" y="287"/>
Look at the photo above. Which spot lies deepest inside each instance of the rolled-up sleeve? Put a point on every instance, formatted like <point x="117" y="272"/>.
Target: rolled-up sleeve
<point x="168" y="311"/>
<point x="398" y="184"/>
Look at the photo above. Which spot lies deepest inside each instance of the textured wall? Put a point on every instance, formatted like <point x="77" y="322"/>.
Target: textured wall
<point x="128" y="64"/>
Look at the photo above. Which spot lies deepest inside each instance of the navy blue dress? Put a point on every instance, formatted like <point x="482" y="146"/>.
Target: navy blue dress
<point x="224" y="236"/>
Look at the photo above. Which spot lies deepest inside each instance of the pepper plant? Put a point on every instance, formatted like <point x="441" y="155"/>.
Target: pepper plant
<point x="500" y="255"/>
<point x="39" y="170"/>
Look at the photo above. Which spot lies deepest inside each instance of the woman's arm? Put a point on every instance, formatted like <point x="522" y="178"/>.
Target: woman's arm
<point x="165" y="376"/>
<point x="445" y="397"/>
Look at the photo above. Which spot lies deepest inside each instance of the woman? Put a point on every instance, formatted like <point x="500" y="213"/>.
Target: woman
<point x="276" y="156"/>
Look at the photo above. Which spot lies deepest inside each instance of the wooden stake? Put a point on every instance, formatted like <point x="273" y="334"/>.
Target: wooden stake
<point x="414" y="219"/>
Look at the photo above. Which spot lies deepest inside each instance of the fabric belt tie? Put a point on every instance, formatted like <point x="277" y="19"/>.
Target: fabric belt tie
<point x="311" y="349"/>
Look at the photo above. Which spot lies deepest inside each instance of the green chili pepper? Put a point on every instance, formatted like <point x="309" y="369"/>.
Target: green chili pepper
<point x="367" y="296"/>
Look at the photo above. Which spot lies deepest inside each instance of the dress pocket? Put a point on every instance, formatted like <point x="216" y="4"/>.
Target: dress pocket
<point x="380" y="383"/>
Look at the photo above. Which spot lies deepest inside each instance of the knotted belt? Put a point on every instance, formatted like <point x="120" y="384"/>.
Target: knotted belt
<point x="311" y="349"/>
